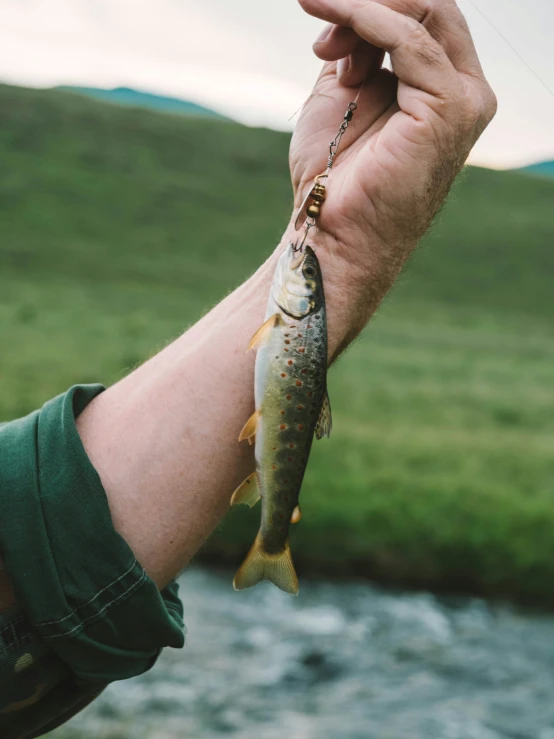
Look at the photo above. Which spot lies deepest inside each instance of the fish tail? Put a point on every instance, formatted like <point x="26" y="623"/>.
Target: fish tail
<point x="261" y="565"/>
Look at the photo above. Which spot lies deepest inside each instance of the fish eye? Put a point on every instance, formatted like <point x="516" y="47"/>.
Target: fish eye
<point x="310" y="270"/>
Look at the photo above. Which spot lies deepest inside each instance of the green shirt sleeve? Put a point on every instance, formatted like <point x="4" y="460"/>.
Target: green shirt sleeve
<point x="75" y="578"/>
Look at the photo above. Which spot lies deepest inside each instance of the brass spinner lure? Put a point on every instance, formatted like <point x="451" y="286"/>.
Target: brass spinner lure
<point x="311" y="207"/>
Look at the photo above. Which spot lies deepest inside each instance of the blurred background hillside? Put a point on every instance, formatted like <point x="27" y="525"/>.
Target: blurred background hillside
<point x="120" y="227"/>
<point x="128" y="211"/>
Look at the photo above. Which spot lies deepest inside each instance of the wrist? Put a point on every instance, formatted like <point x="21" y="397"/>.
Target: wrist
<point x="352" y="286"/>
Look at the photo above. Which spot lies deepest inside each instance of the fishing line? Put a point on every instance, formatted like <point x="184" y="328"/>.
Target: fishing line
<point x="512" y="47"/>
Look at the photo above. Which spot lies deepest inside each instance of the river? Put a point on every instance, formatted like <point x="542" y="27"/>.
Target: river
<point x="341" y="661"/>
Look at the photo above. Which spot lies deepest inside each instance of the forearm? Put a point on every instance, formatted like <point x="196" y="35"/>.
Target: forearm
<point x="164" y="439"/>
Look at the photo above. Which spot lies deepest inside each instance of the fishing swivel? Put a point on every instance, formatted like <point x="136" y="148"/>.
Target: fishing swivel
<point x="310" y="209"/>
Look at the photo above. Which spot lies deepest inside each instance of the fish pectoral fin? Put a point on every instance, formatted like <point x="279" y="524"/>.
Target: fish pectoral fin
<point x="248" y="492"/>
<point x="325" y="421"/>
<point x="262" y="334"/>
<point x="252" y="440"/>
<point x="249" y="429"/>
<point x="261" y="565"/>
<point x="296" y="515"/>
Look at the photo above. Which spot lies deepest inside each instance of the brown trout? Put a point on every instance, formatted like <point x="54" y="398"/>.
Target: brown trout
<point x="291" y="405"/>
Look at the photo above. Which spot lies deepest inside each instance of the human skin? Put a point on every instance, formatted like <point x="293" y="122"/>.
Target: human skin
<point x="164" y="439"/>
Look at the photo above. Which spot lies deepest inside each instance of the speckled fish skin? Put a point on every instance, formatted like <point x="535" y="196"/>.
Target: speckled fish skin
<point x="291" y="371"/>
<point x="290" y="389"/>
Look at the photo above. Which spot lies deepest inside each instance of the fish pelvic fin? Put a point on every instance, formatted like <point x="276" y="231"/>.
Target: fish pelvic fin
<point x="262" y="334"/>
<point x="249" y="429"/>
<point x="248" y="493"/>
<point x="261" y="565"/>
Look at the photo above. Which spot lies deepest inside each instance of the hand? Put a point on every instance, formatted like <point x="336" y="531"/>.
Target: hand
<point x="410" y="136"/>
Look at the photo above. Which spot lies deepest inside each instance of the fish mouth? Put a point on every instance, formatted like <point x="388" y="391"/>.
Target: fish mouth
<point x="298" y="261"/>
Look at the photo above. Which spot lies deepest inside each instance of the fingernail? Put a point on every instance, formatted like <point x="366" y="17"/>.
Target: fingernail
<point x="343" y="66"/>
<point x="324" y="35"/>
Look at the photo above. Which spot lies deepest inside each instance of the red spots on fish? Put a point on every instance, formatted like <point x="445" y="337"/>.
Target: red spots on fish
<point x="288" y="397"/>
<point x="286" y="349"/>
<point x="290" y="361"/>
<point x="301" y="427"/>
<point x="291" y="446"/>
<point x="274" y="448"/>
<point x="287" y="341"/>
<point x="289" y="459"/>
<point x="283" y="426"/>
<point x="273" y="466"/>
<point x="309" y="394"/>
<point x="299" y="336"/>
<point x="309" y="325"/>
<point x="301" y="350"/>
<point x="299" y="407"/>
<point x="282" y="413"/>
<point x="298" y="383"/>
<point x="304" y="371"/>
<point x="283" y="374"/>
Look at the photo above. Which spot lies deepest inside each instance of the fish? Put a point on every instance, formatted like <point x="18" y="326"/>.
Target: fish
<point x="292" y="406"/>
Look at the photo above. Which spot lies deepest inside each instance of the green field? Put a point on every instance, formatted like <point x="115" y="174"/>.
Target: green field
<point x="119" y="228"/>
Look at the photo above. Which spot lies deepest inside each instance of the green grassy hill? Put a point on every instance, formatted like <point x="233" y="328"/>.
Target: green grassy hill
<point x="119" y="228"/>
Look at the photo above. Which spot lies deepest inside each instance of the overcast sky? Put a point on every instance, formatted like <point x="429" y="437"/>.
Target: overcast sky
<point x="252" y="59"/>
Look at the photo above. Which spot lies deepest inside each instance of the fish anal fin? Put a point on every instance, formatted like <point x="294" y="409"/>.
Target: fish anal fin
<point x="296" y="515"/>
<point x="249" y="428"/>
<point x="248" y="492"/>
<point x="261" y="565"/>
<point x="262" y="334"/>
<point x="325" y="420"/>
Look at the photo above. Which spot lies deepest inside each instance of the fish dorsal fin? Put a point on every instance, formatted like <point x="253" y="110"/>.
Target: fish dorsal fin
<point x="262" y="334"/>
<point x="249" y="429"/>
<point x="248" y="492"/>
<point x="325" y="421"/>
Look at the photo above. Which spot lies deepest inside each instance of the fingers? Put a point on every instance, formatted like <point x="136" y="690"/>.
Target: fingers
<point x="446" y="23"/>
<point x="418" y="59"/>
<point x="360" y="65"/>
<point x="442" y="18"/>
<point x="335" y="42"/>
<point x="356" y="58"/>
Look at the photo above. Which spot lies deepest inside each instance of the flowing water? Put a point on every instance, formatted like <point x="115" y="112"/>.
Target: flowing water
<point x="341" y="661"/>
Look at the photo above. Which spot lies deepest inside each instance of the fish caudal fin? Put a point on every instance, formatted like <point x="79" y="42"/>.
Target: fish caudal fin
<point x="260" y="565"/>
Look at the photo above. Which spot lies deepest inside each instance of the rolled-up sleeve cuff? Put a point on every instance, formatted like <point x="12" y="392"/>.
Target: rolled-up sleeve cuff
<point x="73" y="574"/>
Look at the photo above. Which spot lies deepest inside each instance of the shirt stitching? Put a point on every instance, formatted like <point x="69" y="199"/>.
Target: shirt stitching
<point x="96" y="595"/>
<point x="94" y="616"/>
